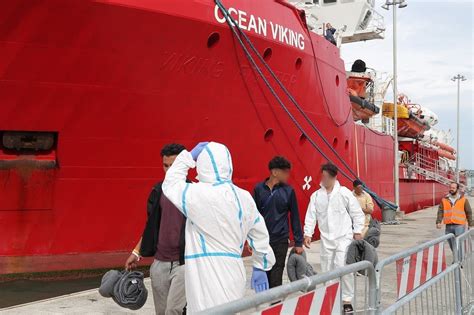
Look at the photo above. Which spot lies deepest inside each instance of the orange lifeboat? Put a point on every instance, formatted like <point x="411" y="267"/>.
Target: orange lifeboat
<point x="409" y="124"/>
<point x="445" y="147"/>
<point x="446" y="154"/>
<point x="361" y="108"/>
<point x="357" y="83"/>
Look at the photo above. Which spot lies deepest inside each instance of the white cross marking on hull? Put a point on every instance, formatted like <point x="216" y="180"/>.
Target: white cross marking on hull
<point x="307" y="181"/>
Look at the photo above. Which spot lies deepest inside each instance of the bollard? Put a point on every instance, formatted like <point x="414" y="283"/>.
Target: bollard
<point x="388" y="214"/>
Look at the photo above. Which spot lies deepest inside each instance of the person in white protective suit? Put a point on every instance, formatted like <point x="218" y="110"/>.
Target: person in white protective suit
<point x="220" y="218"/>
<point x="340" y="220"/>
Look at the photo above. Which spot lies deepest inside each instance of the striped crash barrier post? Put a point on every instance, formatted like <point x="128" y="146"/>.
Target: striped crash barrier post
<point x="416" y="269"/>
<point x="319" y="294"/>
<point x="323" y="300"/>
<point x="425" y="284"/>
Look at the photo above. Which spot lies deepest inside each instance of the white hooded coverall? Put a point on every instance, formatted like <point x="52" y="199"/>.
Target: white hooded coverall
<point x="338" y="216"/>
<point x="220" y="218"/>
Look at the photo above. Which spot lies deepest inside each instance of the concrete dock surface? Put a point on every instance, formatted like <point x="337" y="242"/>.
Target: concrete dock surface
<point x="414" y="228"/>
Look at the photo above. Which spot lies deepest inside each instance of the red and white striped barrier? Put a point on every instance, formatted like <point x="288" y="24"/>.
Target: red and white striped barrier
<point x="416" y="269"/>
<point x="324" y="300"/>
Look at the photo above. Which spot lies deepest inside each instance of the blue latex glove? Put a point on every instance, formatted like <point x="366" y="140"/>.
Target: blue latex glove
<point x="259" y="281"/>
<point x="198" y="149"/>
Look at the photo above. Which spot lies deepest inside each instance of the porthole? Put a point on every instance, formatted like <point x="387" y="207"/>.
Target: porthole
<point x="267" y="54"/>
<point x="303" y="139"/>
<point x="298" y="63"/>
<point x="213" y="39"/>
<point x="268" y="135"/>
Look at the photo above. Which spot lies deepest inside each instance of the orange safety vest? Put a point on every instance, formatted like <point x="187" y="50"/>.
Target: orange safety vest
<point x="454" y="214"/>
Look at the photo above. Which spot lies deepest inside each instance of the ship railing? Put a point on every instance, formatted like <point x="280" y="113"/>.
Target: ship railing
<point x="375" y="23"/>
<point x="427" y="167"/>
<point x="424" y="162"/>
<point x="320" y="294"/>
<point x="430" y="169"/>
<point x="372" y="26"/>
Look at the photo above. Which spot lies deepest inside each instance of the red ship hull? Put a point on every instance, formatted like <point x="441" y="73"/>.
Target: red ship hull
<point x="115" y="82"/>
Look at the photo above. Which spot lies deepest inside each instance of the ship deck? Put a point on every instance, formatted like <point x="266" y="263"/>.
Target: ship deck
<point x="415" y="228"/>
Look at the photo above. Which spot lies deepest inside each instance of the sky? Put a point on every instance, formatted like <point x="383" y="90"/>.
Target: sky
<point x="435" y="42"/>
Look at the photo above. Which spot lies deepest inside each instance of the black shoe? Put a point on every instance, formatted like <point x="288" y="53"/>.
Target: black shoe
<point x="348" y="309"/>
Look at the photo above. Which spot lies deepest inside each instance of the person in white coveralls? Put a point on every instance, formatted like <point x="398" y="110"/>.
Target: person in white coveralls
<point x="340" y="220"/>
<point x="220" y="218"/>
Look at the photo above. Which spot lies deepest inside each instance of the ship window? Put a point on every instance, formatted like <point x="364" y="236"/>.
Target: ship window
<point x="334" y="143"/>
<point x="329" y="1"/>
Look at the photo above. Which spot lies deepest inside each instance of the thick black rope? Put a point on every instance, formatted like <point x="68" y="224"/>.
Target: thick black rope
<point x="233" y="24"/>
<point x="288" y="94"/>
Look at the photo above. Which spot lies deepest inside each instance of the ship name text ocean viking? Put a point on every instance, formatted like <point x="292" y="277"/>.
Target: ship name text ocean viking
<point x="259" y="26"/>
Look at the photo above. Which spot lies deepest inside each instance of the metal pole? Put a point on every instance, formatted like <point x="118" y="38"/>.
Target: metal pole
<point x="395" y="109"/>
<point x="457" y="274"/>
<point x="458" y="78"/>
<point x="457" y="133"/>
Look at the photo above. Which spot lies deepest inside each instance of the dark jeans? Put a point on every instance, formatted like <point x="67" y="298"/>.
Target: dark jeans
<point x="455" y="229"/>
<point x="275" y="275"/>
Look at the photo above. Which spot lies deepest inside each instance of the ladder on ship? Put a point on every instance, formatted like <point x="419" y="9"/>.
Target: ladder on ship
<point x="429" y="168"/>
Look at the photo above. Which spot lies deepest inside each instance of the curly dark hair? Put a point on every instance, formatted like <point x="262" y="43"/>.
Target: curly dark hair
<point x="330" y="168"/>
<point x="172" y="149"/>
<point x="279" y="162"/>
<point x="357" y="182"/>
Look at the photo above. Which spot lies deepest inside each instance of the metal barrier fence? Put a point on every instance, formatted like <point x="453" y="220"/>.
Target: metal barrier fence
<point x="430" y="280"/>
<point x="464" y="244"/>
<point x="426" y="283"/>
<point x="284" y="294"/>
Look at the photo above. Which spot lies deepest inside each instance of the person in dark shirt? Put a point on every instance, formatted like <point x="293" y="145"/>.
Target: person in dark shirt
<point x="274" y="199"/>
<point x="329" y="34"/>
<point x="163" y="239"/>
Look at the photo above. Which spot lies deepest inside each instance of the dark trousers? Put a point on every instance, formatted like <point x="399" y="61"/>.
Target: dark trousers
<point x="275" y="275"/>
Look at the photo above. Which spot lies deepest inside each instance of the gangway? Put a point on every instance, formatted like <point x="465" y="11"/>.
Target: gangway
<point x="429" y="168"/>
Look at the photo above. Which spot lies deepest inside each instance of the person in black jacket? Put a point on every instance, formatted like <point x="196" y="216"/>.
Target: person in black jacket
<point x="329" y="33"/>
<point x="274" y="199"/>
<point x="163" y="239"/>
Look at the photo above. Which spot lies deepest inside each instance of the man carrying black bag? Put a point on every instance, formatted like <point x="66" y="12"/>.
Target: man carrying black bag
<point x="163" y="239"/>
